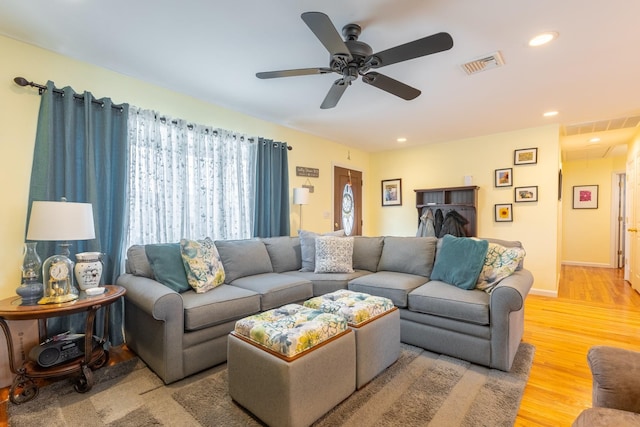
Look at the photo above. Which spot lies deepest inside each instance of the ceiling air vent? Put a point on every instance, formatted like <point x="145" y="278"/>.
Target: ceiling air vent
<point x="488" y="62"/>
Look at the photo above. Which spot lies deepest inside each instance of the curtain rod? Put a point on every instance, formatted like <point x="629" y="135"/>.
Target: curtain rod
<point x="21" y="81"/>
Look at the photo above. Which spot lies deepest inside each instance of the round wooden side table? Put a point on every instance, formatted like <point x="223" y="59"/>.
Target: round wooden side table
<point x="24" y="388"/>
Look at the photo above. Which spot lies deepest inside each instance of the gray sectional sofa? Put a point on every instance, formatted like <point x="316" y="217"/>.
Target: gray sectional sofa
<point x="180" y="333"/>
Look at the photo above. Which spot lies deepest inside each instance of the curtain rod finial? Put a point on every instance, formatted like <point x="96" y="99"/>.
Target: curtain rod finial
<point x="21" y="81"/>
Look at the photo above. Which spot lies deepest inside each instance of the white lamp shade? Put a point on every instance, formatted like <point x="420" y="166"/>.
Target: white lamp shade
<point x="61" y="221"/>
<point x="301" y="196"/>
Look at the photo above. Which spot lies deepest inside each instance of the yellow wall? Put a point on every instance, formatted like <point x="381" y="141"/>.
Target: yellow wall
<point x="19" y="117"/>
<point x="587" y="232"/>
<point x="445" y="165"/>
<point x="439" y="165"/>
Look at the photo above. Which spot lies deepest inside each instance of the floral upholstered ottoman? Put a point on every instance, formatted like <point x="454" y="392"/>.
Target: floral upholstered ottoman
<point x="376" y="323"/>
<point x="291" y="365"/>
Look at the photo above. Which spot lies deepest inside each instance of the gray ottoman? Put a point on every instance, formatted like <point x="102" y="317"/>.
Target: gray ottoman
<point x="376" y="323"/>
<point x="277" y="374"/>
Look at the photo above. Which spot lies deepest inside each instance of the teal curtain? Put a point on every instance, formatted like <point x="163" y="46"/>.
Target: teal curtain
<point x="271" y="206"/>
<point x="81" y="154"/>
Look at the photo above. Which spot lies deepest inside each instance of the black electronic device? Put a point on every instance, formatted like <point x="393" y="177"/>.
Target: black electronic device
<point x="58" y="349"/>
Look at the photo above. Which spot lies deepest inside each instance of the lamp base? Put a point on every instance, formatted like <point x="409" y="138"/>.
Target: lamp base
<point x="30" y="292"/>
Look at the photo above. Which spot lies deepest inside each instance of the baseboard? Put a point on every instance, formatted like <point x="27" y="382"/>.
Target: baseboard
<point x="587" y="264"/>
<point x="544" y="292"/>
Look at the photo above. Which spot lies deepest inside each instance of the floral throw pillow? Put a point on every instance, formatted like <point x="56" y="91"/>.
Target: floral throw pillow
<point x="202" y="264"/>
<point x="334" y="254"/>
<point x="499" y="263"/>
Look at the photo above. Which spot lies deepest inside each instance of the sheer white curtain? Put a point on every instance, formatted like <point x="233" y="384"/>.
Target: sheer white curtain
<point x="187" y="181"/>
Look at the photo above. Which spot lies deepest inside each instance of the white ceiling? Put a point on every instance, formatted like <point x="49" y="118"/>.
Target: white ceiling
<point x="211" y="50"/>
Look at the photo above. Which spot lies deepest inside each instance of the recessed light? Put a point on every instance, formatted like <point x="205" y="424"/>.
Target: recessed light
<point x="550" y="113"/>
<point x="401" y="140"/>
<point x="543" y="38"/>
<point x="594" y="140"/>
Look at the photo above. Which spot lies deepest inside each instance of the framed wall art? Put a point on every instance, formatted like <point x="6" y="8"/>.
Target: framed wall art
<point x="525" y="156"/>
<point x="503" y="177"/>
<point x="585" y="197"/>
<point x="504" y="212"/>
<point x="392" y="192"/>
<point x="526" y="194"/>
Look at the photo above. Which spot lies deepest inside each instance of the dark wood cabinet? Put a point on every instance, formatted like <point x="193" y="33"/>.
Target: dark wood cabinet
<point x="463" y="200"/>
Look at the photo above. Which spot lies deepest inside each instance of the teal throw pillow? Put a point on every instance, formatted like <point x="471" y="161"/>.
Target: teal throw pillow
<point x="459" y="261"/>
<point x="167" y="266"/>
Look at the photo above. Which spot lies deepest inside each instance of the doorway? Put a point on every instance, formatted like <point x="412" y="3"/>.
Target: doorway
<point x="347" y="200"/>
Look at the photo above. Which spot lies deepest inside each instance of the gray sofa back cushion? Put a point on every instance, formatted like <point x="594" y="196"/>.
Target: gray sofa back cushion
<point x="284" y="253"/>
<point x="366" y="252"/>
<point x="242" y="258"/>
<point x="412" y="255"/>
<point x="137" y="262"/>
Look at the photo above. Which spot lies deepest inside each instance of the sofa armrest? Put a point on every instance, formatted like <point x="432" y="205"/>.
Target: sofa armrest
<point x="152" y="297"/>
<point x="616" y="378"/>
<point x="511" y="292"/>
<point x="506" y="311"/>
<point x="154" y="325"/>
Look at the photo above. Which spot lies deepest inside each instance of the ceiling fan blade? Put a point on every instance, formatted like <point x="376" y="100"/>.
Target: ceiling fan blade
<point x="326" y="32"/>
<point x="334" y="94"/>
<point x="425" y="46"/>
<point x="390" y="85"/>
<point x="292" y="73"/>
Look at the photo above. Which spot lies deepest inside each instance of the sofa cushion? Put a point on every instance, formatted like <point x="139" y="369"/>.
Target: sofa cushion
<point x="334" y="254"/>
<point x="441" y="299"/>
<point x="389" y="284"/>
<point x="242" y="258"/>
<point x="308" y="247"/>
<point x="366" y="252"/>
<point x="499" y="263"/>
<point x="167" y="266"/>
<point x="606" y="417"/>
<point x="220" y="305"/>
<point x="138" y="263"/>
<point x="276" y="289"/>
<point x="284" y="252"/>
<point x="202" y="264"/>
<point x="460" y="261"/>
<point x="323" y="283"/>
<point x="411" y="255"/>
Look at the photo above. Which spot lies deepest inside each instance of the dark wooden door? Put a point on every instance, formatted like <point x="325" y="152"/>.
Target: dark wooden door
<point x="347" y="200"/>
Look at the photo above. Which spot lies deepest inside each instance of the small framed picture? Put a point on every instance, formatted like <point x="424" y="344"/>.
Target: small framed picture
<point x="525" y="156"/>
<point x="504" y="212"/>
<point x="526" y="194"/>
<point x="504" y="177"/>
<point x="392" y="192"/>
<point x="585" y="197"/>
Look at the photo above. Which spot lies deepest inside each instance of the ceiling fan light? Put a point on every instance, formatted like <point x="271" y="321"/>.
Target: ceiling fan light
<point x="543" y="38"/>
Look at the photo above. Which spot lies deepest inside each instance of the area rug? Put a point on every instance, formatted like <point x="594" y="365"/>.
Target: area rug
<point x="420" y="389"/>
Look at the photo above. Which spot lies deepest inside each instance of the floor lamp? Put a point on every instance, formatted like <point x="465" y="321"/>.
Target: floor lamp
<point x="301" y="197"/>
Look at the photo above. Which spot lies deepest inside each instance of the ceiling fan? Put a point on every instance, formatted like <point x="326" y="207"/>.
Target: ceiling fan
<point x="352" y="58"/>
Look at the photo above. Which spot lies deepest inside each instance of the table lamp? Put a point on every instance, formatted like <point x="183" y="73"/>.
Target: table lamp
<point x="60" y="221"/>
<point x="301" y="197"/>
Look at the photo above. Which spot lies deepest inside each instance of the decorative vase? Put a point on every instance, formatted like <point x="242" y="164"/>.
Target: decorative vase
<point x="88" y="270"/>
<point x="31" y="289"/>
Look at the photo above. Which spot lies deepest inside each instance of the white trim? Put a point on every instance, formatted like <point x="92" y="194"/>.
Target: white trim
<point x="588" y="264"/>
<point x="615" y="243"/>
<point x="544" y="292"/>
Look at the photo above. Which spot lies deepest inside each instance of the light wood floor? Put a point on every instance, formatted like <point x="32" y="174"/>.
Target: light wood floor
<point x="594" y="306"/>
